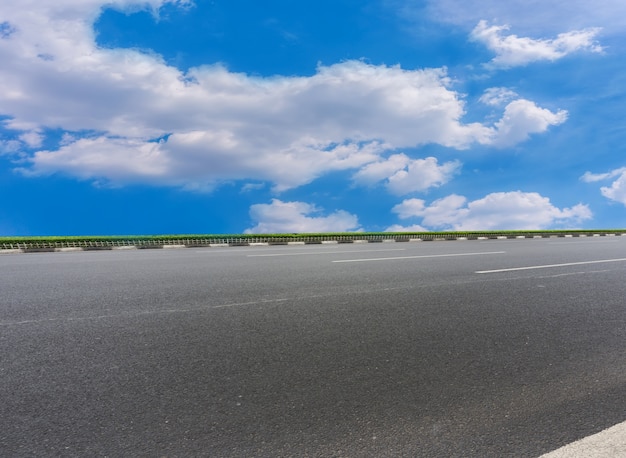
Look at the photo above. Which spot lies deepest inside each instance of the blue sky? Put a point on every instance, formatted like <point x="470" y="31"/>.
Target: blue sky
<point x="232" y="116"/>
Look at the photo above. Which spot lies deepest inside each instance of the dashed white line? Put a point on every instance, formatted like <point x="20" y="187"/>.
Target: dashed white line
<point x="584" y="242"/>
<point x="318" y="252"/>
<point x="396" y="258"/>
<point x="548" y="266"/>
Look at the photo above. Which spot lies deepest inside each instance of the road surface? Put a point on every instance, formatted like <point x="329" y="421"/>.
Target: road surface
<point x="467" y="348"/>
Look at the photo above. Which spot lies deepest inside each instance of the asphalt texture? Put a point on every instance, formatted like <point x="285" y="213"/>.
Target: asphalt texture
<point x="386" y="349"/>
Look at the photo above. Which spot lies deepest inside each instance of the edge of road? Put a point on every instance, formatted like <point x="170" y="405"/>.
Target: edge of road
<point x="239" y="243"/>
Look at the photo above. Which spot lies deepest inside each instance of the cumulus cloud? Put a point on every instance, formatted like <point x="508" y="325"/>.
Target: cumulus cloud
<point x="300" y="217"/>
<point x="200" y="160"/>
<point x="512" y="51"/>
<point x="522" y="118"/>
<point x="403" y="175"/>
<point x="117" y="160"/>
<point x="617" y="190"/>
<point x="496" y="211"/>
<point x="120" y="108"/>
<point x="410" y="208"/>
<point x="497" y="96"/>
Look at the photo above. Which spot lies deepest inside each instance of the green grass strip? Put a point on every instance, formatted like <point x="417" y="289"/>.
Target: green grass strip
<point x="86" y="240"/>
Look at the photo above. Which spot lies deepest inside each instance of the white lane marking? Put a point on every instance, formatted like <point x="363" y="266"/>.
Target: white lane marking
<point x="318" y="252"/>
<point x="595" y="242"/>
<point x="237" y="250"/>
<point x="548" y="266"/>
<point x="609" y="443"/>
<point x="395" y="258"/>
<point x="257" y="249"/>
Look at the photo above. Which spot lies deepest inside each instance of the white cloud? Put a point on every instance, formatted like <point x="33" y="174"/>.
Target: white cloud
<point x="199" y="160"/>
<point x="33" y="139"/>
<point x="617" y="190"/>
<point x="439" y="214"/>
<point x="496" y="211"/>
<point x="17" y="145"/>
<point x="117" y="160"/>
<point x="298" y="217"/>
<point x="10" y="147"/>
<point x="251" y="187"/>
<point x="381" y="170"/>
<point x="403" y="175"/>
<point x="497" y="96"/>
<point x="422" y="174"/>
<point x="589" y="177"/>
<point x="512" y="51"/>
<point x="410" y="208"/>
<point x="536" y="17"/>
<point x="411" y="228"/>
<point x="218" y="125"/>
<point x="522" y="118"/>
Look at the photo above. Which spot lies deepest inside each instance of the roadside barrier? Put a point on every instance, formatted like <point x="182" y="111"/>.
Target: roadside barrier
<point x="43" y="244"/>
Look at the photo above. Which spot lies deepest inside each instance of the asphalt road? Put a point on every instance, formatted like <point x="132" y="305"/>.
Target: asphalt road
<point x="466" y="348"/>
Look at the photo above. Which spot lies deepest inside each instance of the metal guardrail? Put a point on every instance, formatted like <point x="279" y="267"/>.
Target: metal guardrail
<point x="104" y="244"/>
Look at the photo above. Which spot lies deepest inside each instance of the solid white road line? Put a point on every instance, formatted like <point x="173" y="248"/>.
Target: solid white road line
<point x="547" y="266"/>
<point x="395" y="258"/>
<point x="609" y="443"/>
<point x="318" y="252"/>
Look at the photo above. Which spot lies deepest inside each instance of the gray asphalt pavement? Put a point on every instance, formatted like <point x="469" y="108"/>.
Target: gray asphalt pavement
<point x="467" y="348"/>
